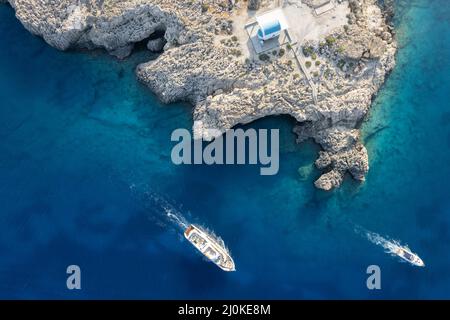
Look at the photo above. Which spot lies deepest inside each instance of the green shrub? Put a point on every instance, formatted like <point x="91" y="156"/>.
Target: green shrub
<point x="308" y="51"/>
<point x="318" y="63"/>
<point x="330" y="40"/>
<point x="236" y="52"/>
<point x="308" y="64"/>
<point x="264" y="57"/>
<point x="281" y="52"/>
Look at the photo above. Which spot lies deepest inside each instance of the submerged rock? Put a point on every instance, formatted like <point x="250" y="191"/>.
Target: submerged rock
<point x="305" y="172"/>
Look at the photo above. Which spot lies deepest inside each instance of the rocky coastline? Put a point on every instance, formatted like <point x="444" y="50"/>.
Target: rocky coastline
<point x="227" y="88"/>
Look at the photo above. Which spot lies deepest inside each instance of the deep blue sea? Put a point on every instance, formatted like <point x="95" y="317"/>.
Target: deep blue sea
<point x="82" y="144"/>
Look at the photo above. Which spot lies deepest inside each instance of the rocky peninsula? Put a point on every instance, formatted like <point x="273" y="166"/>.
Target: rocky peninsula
<point x="206" y="61"/>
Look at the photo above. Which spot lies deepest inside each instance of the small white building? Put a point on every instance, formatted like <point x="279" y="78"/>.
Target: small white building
<point x="271" y="24"/>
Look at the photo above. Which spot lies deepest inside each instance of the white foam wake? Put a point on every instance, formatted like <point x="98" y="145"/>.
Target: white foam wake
<point x="377" y="239"/>
<point x="176" y="216"/>
<point x="172" y="213"/>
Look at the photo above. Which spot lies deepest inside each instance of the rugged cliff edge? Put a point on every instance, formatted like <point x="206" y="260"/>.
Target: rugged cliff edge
<point x="227" y="88"/>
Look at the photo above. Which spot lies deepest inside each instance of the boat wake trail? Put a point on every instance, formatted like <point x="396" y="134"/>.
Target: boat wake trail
<point x="172" y="213"/>
<point x="392" y="247"/>
<point x="176" y="216"/>
<point x="159" y="208"/>
<point x="373" y="237"/>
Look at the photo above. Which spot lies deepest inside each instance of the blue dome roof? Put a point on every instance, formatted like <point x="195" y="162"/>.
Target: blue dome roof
<point x="271" y="27"/>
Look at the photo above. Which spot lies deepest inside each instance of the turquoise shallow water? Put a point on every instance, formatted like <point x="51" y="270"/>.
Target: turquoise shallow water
<point x="82" y="142"/>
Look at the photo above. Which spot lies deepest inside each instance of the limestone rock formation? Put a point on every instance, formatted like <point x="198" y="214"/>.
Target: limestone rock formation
<point x="342" y="152"/>
<point x="226" y="89"/>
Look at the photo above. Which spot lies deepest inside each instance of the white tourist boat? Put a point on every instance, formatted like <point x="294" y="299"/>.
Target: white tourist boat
<point x="405" y="253"/>
<point x="393" y="247"/>
<point x="210" y="247"/>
